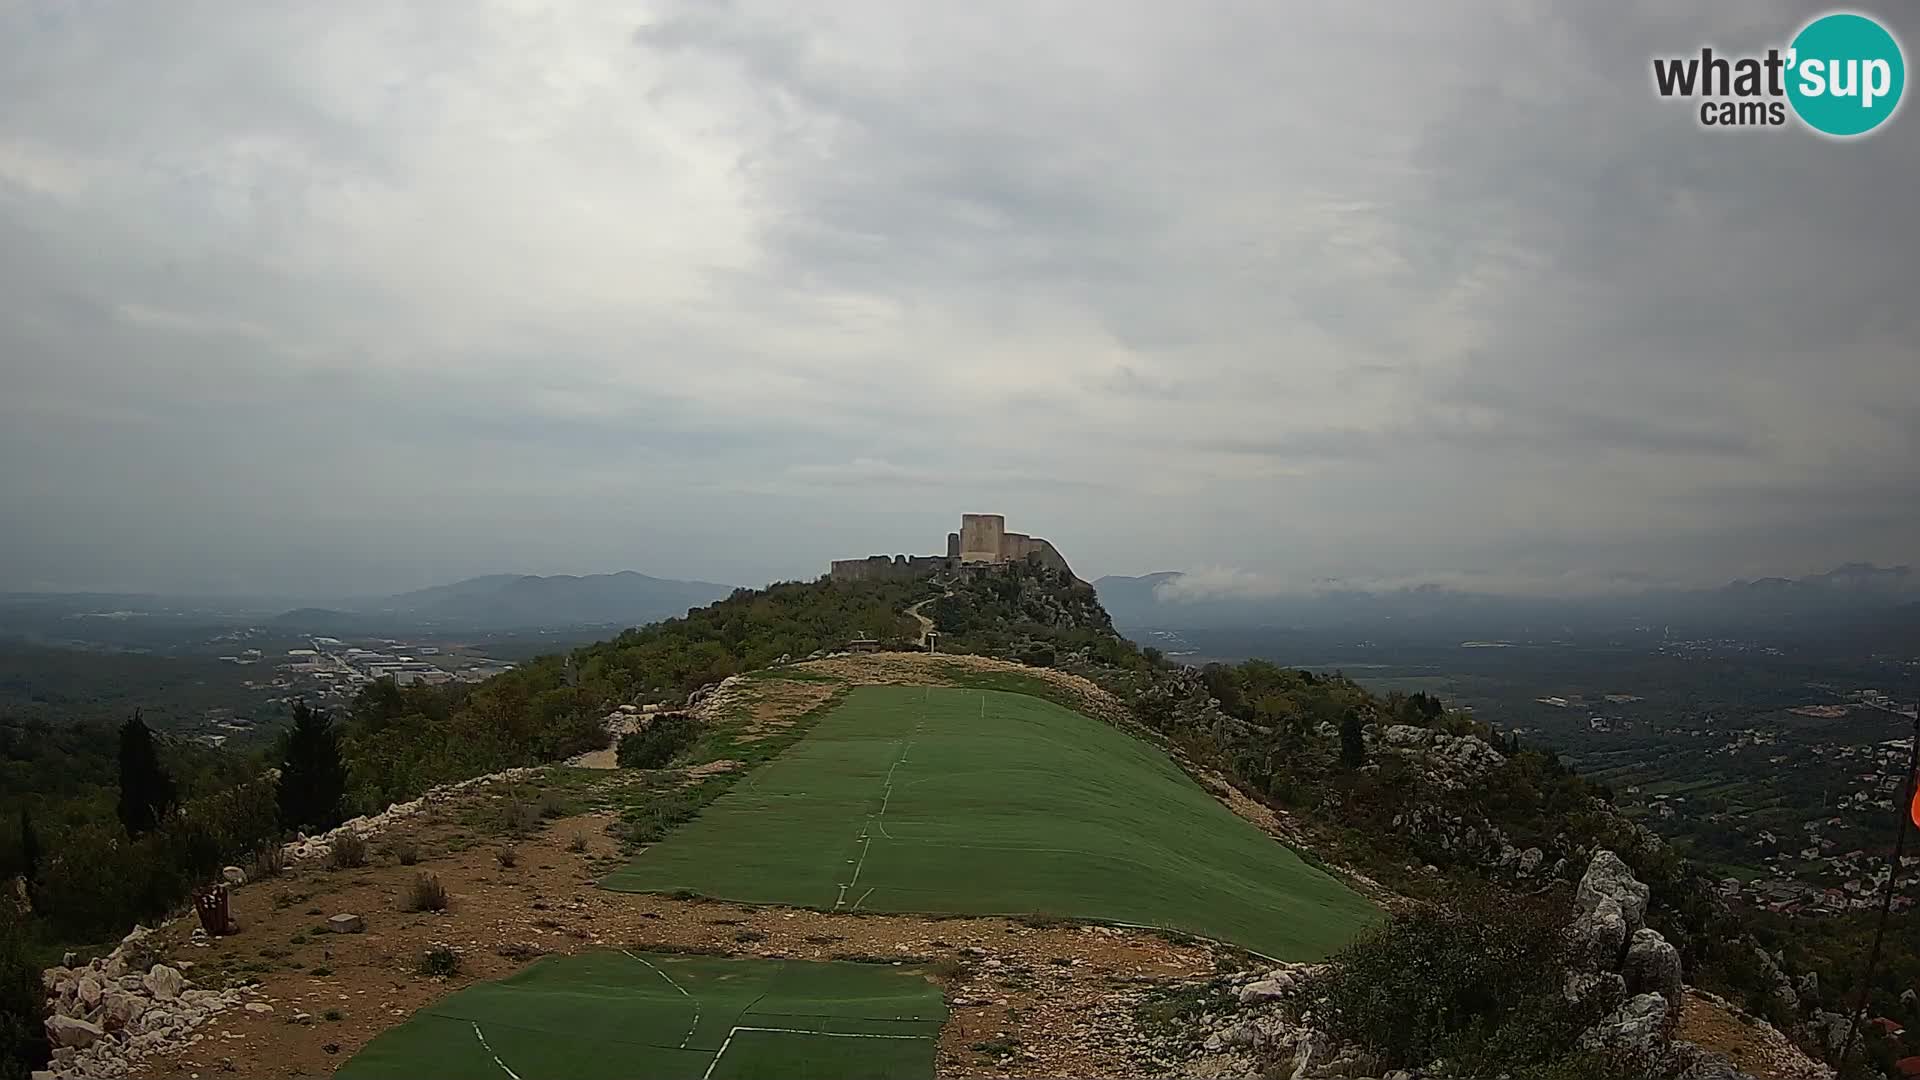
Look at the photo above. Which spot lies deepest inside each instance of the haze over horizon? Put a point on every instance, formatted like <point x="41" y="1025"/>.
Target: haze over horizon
<point x="363" y="299"/>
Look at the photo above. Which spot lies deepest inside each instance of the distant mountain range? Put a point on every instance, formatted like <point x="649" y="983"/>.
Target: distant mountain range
<point x="505" y="601"/>
<point x="494" y="602"/>
<point x="1153" y="600"/>
<point x="1859" y="579"/>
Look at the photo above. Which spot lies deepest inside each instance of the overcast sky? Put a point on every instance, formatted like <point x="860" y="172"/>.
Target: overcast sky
<point x="366" y="296"/>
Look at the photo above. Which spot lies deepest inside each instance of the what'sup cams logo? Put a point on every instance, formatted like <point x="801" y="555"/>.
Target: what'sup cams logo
<point x="1841" y="75"/>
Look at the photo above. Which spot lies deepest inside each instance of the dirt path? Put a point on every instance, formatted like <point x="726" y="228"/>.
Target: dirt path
<point x="618" y="726"/>
<point x="926" y="624"/>
<point x="1713" y="1023"/>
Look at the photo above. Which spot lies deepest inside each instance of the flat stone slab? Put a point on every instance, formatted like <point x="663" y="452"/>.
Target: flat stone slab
<point x="346" y="924"/>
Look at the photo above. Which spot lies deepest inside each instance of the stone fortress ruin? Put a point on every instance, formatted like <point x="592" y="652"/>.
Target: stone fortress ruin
<point x="982" y="543"/>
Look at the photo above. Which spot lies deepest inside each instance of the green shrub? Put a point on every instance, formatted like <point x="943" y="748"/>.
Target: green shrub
<point x="91" y="885"/>
<point x="347" y="852"/>
<point x="650" y="821"/>
<point x="439" y="961"/>
<point x="997" y="1047"/>
<point x="656" y="746"/>
<point x="952" y="969"/>
<point x="269" y="862"/>
<point x="1477" y="984"/>
<point x="23" y="1004"/>
<point x="426" y="894"/>
<point x="1038" y="656"/>
<point x="405" y="852"/>
<point x="518" y="818"/>
<point x="507" y="857"/>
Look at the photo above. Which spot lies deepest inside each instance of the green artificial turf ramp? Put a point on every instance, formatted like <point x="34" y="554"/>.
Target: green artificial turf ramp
<point x="619" y="1015"/>
<point x="931" y="799"/>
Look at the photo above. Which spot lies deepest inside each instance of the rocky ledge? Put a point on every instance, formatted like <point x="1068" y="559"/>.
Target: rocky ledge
<point x="117" y="1011"/>
<point x="1260" y="1024"/>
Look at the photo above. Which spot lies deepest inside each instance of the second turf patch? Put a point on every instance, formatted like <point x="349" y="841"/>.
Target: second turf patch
<point x="617" y="1015"/>
<point x="943" y="800"/>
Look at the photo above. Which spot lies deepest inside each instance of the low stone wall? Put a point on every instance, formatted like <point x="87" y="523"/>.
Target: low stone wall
<point x="305" y="847"/>
<point x="108" y="1017"/>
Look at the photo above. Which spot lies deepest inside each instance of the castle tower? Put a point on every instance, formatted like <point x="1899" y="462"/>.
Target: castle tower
<point x="981" y="537"/>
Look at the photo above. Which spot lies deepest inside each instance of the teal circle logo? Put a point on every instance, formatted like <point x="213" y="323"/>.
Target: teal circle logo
<point x="1845" y="75"/>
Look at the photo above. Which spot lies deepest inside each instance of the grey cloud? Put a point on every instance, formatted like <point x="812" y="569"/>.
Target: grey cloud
<point x="724" y="290"/>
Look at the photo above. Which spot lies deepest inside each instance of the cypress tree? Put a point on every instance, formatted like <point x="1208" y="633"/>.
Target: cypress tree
<point x="1353" y="743"/>
<point x="313" y="779"/>
<point x="146" y="791"/>
<point x="29" y="847"/>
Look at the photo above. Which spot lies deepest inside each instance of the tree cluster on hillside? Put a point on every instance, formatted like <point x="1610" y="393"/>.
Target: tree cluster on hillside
<point x="748" y="630"/>
<point x="91" y="874"/>
<point x="399" y="741"/>
<point x="63" y="829"/>
<point x="94" y="875"/>
<point x="1030" y="612"/>
<point x="68" y="773"/>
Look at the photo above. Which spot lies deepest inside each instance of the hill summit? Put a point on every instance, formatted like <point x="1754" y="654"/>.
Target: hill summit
<point x="982" y="544"/>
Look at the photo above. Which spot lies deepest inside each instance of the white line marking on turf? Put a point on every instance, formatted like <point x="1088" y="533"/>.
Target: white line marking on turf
<point x="496" y="1057"/>
<point x="863" y="898"/>
<point x="683" y="993"/>
<point x="830" y="1034"/>
<point x="728" y="1041"/>
<point x="880" y="819"/>
<point x="886" y="796"/>
<point x="865" y="843"/>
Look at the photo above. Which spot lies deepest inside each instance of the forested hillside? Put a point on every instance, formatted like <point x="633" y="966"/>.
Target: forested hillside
<point x="401" y="741"/>
<point x="1423" y="799"/>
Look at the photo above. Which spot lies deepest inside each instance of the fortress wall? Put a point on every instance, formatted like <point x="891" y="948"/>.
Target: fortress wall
<point x="885" y="568"/>
<point x="1020" y="546"/>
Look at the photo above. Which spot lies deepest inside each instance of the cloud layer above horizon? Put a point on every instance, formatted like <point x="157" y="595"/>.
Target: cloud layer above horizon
<point x="364" y="297"/>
